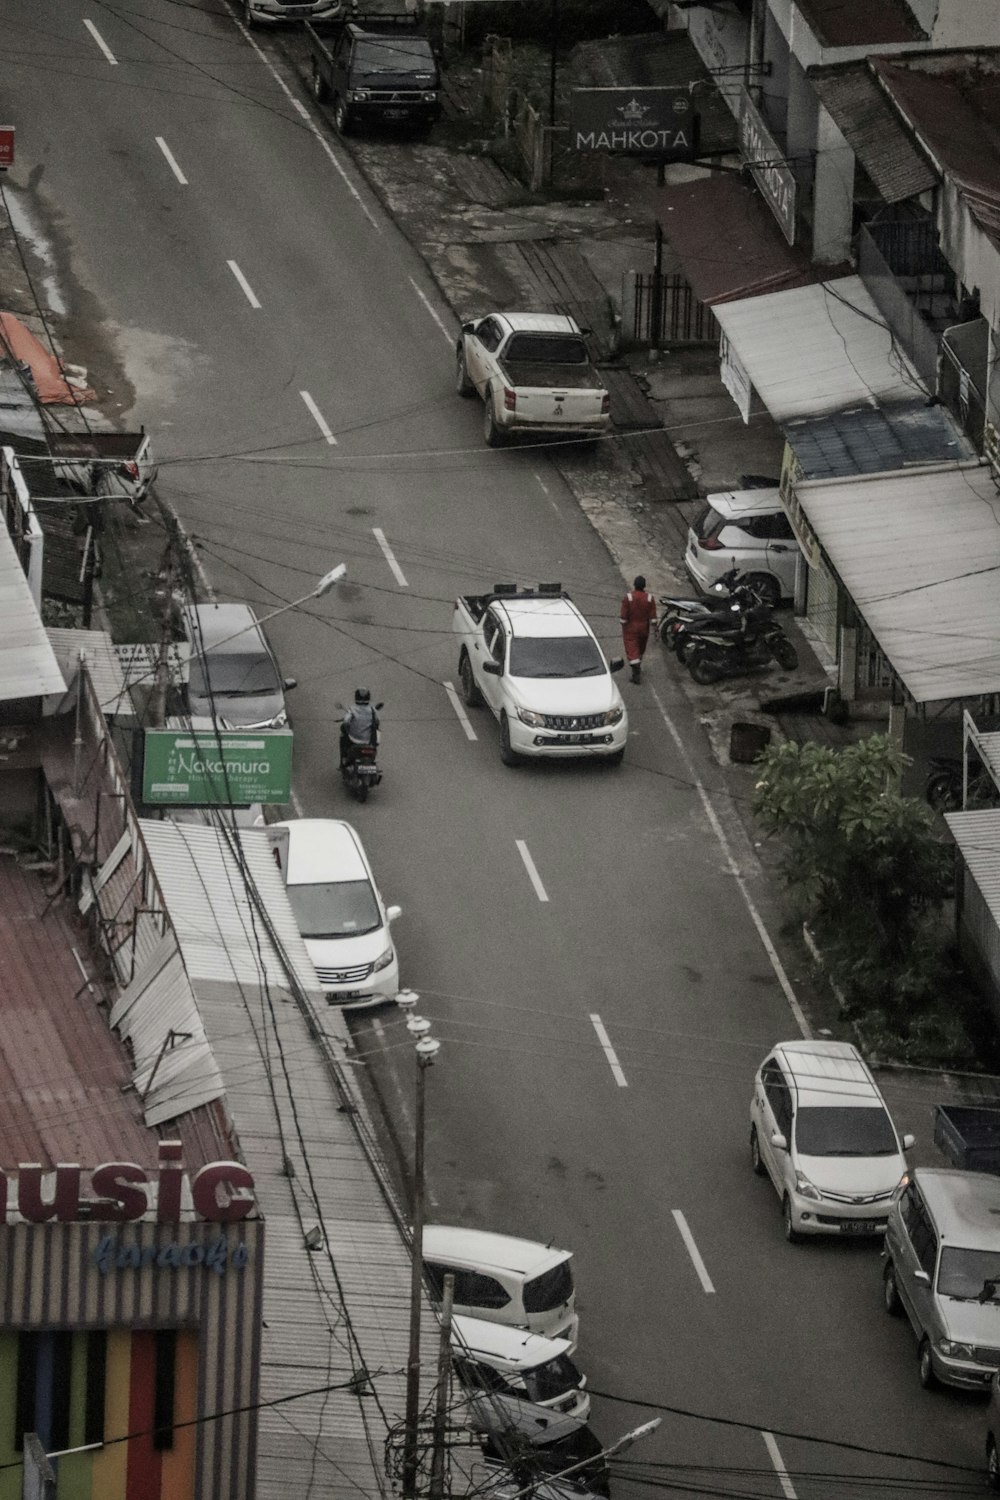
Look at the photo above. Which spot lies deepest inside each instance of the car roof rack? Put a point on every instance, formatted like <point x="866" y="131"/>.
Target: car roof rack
<point x="540" y="591"/>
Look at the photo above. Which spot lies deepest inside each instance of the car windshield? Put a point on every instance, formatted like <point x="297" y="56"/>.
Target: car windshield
<point x="233" y="674"/>
<point x="832" y="1130"/>
<point x="550" y="1290"/>
<point x="394" y="55"/>
<point x="554" y="1378"/>
<point x="555" y="656"/>
<point x="964" y="1273"/>
<point x="546" y="349"/>
<point x="335" y="909"/>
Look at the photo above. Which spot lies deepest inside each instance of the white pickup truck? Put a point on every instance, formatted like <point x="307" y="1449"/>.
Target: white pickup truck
<point x="534" y="375"/>
<point x="531" y="656"/>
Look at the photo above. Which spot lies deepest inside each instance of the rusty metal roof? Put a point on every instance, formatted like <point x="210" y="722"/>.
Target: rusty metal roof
<point x="65" y="1078"/>
<point x="861" y="23"/>
<point x="28" y="667"/>
<point x="874" y="131"/>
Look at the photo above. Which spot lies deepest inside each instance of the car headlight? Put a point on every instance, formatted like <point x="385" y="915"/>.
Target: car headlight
<point x="384" y="959"/>
<point x="955" y="1351"/>
<point x="357" y="96"/>
<point x="805" y="1189"/>
<point x="613" y="716"/>
<point x="903" y="1182"/>
<point x="529" y="717"/>
<point x="431" y="97"/>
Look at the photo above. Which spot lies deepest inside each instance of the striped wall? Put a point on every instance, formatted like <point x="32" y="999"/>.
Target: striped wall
<point x="51" y="1282"/>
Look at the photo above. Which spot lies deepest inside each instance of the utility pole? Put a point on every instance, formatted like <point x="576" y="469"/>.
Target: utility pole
<point x="553" y="59"/>
<point x="426" y="1050"/>
<point x="436" y="1491"/>
<point x="156" y="712"/>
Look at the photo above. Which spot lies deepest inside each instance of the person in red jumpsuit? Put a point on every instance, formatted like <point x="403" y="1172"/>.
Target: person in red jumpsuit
<point x="638" y="616"/>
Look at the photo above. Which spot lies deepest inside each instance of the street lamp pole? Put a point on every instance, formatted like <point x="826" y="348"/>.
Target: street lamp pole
<point x="323" y="587"/>
<point x="426" y="1050"/>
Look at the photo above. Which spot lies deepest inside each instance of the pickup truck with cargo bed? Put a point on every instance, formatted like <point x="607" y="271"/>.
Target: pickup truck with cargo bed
<point x="531" y="656"/>
<point x="534" y="375"/>
<point x="377" y="71"/>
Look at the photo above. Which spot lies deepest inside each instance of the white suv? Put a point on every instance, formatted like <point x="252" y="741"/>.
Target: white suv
<point x="748" y="530"/>
<point x="820" y="1130"/>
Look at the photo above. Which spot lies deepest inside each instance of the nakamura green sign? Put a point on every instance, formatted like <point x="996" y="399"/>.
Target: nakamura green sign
<point x="208" y="768"/>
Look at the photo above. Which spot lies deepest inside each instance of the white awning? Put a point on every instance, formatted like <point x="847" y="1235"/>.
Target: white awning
<point x="918" y="550"/>
<point x="818" y="349"/>
<point x="28" y="666"/>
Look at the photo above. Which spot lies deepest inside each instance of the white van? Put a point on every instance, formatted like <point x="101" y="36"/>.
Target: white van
<point x="504" y="1279"/>
<point x="501" y="1360"/>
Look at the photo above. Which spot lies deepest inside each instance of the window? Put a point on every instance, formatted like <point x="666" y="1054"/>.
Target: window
<point x="910" y="1208"/>
<point x="550" y="1290"/>
<point x="778" y="1097"/>
<point x="488" y="334"/>
<point x="553" y="1379"/>
<point x="547" y="349"/>
<point x="969" y="1273"/>
<point x="556" y="656"/>
<point x="335" y="908"/>
<point x="924" y="1242"/>
<point x="42" y="1403"/>
<point x="833" y="1130"/>
<point x="472" y="1288"/>
<point x="164" y="1368"/>
<point x="493" y="636"/>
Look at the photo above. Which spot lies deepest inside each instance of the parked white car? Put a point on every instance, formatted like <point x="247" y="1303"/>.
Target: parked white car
<point x="508" y="1361"/>
<point x="504" y="1279"/>
<point x="340" y="914"/>
<point x="748" y="530"/>
<point x="820" y="1130"/>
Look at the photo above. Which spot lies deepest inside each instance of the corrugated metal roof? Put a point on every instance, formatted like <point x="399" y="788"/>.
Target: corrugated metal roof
<point x="28" y="666"/>
<point x="977" y="835"/>
<point x="101" y="661"/>
<point x="861" y="23"/>
<point x="989" y="749"/>
<point x="174" y="1069"/>
<point x="818" y="349"/>
<point x="326" y="1315"/>
<point x="919" y="553"/>
<point x="874" y="439"/>
<point x="219" y="931"/>
<point x="873" y="129"/>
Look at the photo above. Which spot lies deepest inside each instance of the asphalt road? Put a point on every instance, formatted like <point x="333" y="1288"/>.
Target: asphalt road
<point x="268" y="272"/>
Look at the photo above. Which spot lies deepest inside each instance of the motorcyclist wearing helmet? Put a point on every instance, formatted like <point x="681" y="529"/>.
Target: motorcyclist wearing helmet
<point x="359" y="726"/>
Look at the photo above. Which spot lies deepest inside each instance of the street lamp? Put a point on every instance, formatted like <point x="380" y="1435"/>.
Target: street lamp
<point x="426" y="1049"/>
<point x="323" y="587"/>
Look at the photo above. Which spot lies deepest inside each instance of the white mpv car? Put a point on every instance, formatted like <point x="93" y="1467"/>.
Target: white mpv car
<point x="748" y="530"/>
<point x="820" y="1130"/>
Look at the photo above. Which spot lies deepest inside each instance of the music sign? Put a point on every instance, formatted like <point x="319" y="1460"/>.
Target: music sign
<point x="659" y="123"/>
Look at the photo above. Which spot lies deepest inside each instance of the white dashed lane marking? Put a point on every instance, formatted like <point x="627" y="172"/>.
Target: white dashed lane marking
<point x="112" y="59"/>
<point x="317" y="416"/>
<point x="247" y="288"/>
<point x="529" y="865"/>
<point x="171" y="161"/>
<point x="609" y="1052"/>
<point x="693" y="1251"/>
<point x="390" y="557"/>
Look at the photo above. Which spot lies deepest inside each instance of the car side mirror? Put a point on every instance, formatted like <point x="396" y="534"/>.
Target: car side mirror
<point x="392" y="912"/>
<point x="493" y="668"/>
<point x="468" y="327"/>
<point x="616" y="664"/>
<point x="922" y="1277"/>
<point x="289" y="683"/>
<point x="909" y="1141"/>
<point x="778" y="1141"/>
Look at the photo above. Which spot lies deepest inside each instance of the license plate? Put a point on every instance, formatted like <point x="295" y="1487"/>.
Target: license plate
<point x="861" y="1226"/>
<point x="367" y="770"/>
<point x="396" y="114"/>
<point x="577" y="739"/>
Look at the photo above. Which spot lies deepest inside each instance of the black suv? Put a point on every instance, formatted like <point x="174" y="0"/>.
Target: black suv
<point x="380" y="77"/>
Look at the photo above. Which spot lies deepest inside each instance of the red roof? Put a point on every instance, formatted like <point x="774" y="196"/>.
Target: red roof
<point x="62" y="1070"/>
<point x="861" y="23"/>
<point x="728" y="241"/>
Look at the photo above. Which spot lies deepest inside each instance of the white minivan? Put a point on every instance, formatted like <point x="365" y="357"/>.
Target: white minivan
<point x="504" y="1279"/>
<point x="501" y="1360"/>
<point x="748" y="530"/>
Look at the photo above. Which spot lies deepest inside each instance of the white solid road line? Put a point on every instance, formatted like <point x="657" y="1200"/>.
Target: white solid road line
<point x="459" y="707"/>
<point x="390" y="557"/>
<point x="317" y="416"/>
<point x="112" y="59"/>
<point x="609" y="1052"/>
<point x="248" y="289"/>
<point x="310" y="123"/>
<point x="171" y="162"/>
<point x="432" y="310"/>
<point x="734" y="870"/>
<point x="529" y="865"/>
<point x="693" y="1251"/>
<point x="787" y="1487"/>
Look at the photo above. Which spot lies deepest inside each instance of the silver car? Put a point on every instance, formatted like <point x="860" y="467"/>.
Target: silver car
<point x="234" y="676"/>
<point x="942" y="1268"/>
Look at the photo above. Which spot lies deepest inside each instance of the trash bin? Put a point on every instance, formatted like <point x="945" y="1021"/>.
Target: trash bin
<point x="747" y="742"/>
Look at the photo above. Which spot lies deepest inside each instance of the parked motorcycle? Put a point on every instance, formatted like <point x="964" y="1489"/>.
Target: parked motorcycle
<point x="359" y="767"/>
<point x="730" y="648"/>
<point x="943" y="788"/>
<point x="682" y="616"/>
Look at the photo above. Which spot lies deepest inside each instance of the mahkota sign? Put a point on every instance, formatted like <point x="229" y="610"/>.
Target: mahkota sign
<point x="222" y="1192"/>
<point x="659" y="123"/>
<point x="216" y="767"/>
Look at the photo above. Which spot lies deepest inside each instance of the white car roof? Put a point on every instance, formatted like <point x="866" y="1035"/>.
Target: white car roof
<point x="732" y="505"/>
<point x="533" y="322"/>
<point x="830" y="1072"/>
<point x="480" y="1249"/>
<point x="542" y="617"/>
<point x="208" y="624"/>
<point x="323" y="850"/>
<point x="515" y="1346"/>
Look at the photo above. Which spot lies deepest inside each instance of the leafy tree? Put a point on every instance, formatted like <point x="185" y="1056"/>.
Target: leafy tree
<point x="867" y="863"/>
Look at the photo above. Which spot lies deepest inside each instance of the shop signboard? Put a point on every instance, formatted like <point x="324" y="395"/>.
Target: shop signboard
<point x="766" y="161"/>
<point x="792" y="474"/>
<point x="140" y="660"/>
<point x="207" y="768"/>
<point x="6" y="147"/>
<point x="658" y="123"/>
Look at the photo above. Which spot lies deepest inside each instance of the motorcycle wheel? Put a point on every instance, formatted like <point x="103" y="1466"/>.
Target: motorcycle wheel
<point x="361" y="791"/>
<point x="703" y="669"/>
<point x="785" y="653"/>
